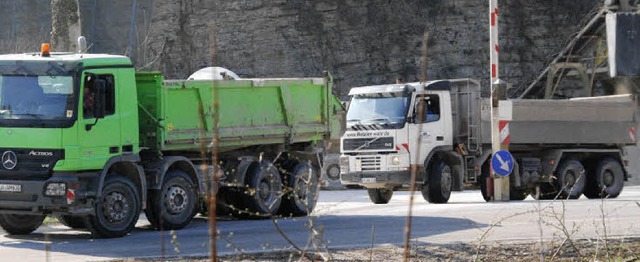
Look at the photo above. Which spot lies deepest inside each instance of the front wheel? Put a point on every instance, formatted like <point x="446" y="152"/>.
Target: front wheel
<point x="116" y="210"/>
<point x="301" y="191"/>
<point x="438" y="189"/>
<point x="174" y="206"/>
<point x="380" y="195"/>
<point x="20" y="224"/>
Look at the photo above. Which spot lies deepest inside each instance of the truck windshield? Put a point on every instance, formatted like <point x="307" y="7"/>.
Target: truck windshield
<point x="33" y="97"/>
<point x="377" y="109"/>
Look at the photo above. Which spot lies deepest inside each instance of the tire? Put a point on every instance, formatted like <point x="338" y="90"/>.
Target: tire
<point x="20" y="224"/>
<point x="264" y="190"/>
<point x="75" y="222"/>
<point x="607" y="179"/>
<point x="116" y="210"/>
<point x="380" y="195"/>
<point x="175" y="204"/>
<point x="438" y="188"/>
<point x="301" y="190"/>
<point x="571" y="179"/>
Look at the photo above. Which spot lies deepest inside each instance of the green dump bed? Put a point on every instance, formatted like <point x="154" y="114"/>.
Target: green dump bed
<point x="179" y="115"/>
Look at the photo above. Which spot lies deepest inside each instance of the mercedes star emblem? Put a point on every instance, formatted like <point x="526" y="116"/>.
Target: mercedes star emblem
<point x="9" y="160"/>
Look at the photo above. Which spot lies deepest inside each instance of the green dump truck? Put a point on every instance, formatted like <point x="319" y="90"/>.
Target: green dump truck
<point x="86" y="138"/>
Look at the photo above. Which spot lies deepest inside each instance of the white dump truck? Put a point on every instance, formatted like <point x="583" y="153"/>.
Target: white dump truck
<point x="567" y="147"/>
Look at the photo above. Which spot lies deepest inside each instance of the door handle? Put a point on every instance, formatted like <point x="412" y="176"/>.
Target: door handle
<point x="425" y="134"/>
<point x="440" y="138"/>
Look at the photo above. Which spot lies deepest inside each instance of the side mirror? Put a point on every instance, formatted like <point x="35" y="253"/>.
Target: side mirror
<point x="99" y="102"/>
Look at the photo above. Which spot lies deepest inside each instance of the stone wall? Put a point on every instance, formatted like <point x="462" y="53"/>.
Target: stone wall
<point x="360" y="42"/>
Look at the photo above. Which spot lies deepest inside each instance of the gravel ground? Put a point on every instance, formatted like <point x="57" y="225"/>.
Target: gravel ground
<point x="584" y="250"/>
<point x="579" y="250"/>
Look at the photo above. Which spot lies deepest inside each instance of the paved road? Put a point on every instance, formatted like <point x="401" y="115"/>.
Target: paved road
<point x="348" y="219"/>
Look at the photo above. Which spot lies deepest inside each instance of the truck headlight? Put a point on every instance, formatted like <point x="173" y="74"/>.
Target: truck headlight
<point x="395" y="160"/>
<point x="55" y="189"/>
<point x="344" y="164"/>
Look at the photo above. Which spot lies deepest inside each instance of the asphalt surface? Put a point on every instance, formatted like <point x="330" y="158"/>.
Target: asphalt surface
<point x="345" y="219"/>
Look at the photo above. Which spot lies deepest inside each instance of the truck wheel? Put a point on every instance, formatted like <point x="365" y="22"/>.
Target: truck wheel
<point x="116" y="210"/>
<point x="301" y="191"/>
<point x="570" y="179"/>
<point x="265" y="189"/>
<point x="380" y="195"/>
<point x="75" y="222"/>
<point x="174" y="205"/>
<point x="438" y="189"/>
<point x="607" y="179"/>
<point x="20" y="224"/>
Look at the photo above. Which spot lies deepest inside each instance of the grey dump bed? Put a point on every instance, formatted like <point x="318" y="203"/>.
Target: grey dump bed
<point x="604" y="120"/>
<point x="594" y="120"/>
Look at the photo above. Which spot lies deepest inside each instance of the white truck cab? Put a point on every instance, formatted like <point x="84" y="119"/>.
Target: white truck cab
<point x="392" y="127"/>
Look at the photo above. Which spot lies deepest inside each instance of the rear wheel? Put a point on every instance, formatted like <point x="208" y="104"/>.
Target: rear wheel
<point x="570" y="179"/>
<point x="380" y="195"/>
<point x="438" y="188"/>
<point x="607" y="179"/>
<point x="174" y="206"/>
<point x="116" y="210"/>
<point x="301" y="190"/>
<point x="265" y="189"/>
<point x="20" y="224"/>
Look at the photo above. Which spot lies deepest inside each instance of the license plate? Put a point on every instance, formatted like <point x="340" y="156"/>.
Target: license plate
<point x="10" y="188"/>
<point x="368" y="180"/>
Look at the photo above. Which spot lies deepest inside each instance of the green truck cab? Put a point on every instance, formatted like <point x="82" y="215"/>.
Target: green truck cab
<point x="86" y="138"/>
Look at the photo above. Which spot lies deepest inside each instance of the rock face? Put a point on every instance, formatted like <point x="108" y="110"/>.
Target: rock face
<point x="359" y="42"/>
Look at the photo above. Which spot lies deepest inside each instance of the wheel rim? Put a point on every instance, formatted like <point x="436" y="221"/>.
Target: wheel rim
<point x="176" y="200"/>
<point x="265" y="191"/>
<point x="116" y="207"/>
<point x="570" y="179"/>
<point x="445" y="181"/>
<point x="334" y="172"/>
<point x="608" y="178"/>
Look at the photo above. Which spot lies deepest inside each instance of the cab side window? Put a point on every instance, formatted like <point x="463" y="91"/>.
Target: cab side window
<point x="431" y="106"/>
<point x="89" y="95"/>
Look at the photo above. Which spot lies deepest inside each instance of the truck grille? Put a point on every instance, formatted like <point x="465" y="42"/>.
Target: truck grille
<point x="368" y="143"/>
<point x="20" y="163"/>
<point x="369" y="163"/>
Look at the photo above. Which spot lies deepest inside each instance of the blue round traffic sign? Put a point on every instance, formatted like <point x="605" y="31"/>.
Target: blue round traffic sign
<point x="502" y="163"/>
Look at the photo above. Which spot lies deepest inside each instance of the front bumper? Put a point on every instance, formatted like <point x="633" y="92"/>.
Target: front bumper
<point x="32" y="200"/>
<point x="378" y="179"/>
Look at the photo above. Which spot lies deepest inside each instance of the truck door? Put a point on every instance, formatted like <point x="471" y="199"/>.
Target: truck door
<point x="99" y="138"/>
<point x="428" y="131"/>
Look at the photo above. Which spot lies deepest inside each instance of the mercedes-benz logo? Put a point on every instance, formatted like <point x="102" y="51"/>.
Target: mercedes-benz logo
<point x="9" y="160"/>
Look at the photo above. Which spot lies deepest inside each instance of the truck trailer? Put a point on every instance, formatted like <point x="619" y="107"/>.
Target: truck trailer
<point x="566" y="147"/>
<point x="88" y="139"/>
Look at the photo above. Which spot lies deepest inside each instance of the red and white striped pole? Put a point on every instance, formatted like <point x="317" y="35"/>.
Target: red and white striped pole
<point x="493" y="39"/>
<point x="499" y="129"/>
